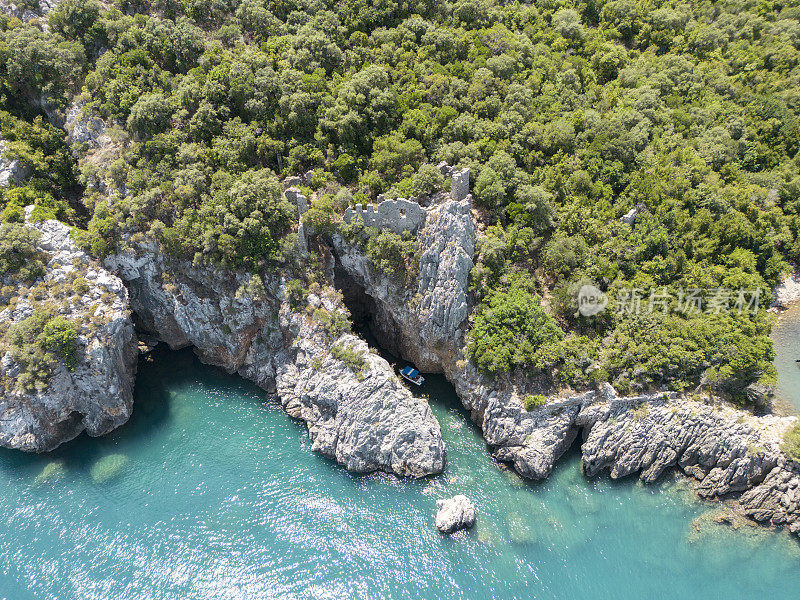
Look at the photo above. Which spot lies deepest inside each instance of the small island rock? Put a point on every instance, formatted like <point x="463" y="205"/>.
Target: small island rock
<point x="454" y="514"/>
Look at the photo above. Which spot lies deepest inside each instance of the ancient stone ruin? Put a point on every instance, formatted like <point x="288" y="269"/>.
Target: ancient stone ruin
<point x="404" y="215"/>
<point x="294" y="196"/>
<point x="396" y="215"/>
<point x="460" y="188"/>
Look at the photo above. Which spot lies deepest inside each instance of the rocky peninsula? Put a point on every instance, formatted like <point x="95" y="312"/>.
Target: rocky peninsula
<point x="47" y="400"/>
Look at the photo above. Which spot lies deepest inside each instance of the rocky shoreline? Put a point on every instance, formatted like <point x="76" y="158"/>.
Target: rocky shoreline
<point x="728" y="451"/>
<point x="356" y="410"/>
<point x="366" y="421"/>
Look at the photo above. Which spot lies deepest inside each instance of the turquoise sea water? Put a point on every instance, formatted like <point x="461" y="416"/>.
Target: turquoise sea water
<point x="212" y="492"/>
<point x="786" y="339"/>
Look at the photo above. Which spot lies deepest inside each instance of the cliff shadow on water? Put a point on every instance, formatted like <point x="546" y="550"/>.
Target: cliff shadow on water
<point x="151" y="412"/>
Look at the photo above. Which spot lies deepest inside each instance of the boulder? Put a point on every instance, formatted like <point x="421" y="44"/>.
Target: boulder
<point x="454" y="513"/>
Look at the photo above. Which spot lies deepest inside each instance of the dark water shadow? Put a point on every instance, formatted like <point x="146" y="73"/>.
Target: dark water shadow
<point x="151" y="409"/>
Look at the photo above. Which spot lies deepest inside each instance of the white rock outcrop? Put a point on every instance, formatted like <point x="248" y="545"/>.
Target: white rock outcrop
<point x="786" y="293"/>
<point x="11" y="169"/>
<point x="454" y="513"/>
<point x="24" y="13"/>
<point x="95" y="396"/>
<point x="366" y="421"/>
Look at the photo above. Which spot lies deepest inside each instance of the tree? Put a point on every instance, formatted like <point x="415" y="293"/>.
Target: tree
<point x="511" y="329"/>
<point x="247" y="218"/>
<point x="427" y="180"/>
<point x="60" y="337"/>
<point x="150" y="115"/>
<point x="567" y="22"/>
<point x="19" y="252"/>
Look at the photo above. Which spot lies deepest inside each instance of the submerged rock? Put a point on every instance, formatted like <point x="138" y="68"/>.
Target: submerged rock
<point x="45" y="405"/>
<point x="454" y="513"/>
<point x="108" y="468"/>
<point x="52" y="470"/>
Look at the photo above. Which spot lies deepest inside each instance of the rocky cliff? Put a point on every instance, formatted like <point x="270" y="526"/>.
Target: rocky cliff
<point x="728" y="451"/>
<point x="365" y="419"/>
<point x="46" y="401"/>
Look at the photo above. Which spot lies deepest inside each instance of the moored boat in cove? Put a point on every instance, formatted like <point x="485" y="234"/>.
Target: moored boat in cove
<point x="411" y="374"/>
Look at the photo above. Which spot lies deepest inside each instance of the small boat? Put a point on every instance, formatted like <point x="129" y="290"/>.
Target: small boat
<point x="412" y="375"/>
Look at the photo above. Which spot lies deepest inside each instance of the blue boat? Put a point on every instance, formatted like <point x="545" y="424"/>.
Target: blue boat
<point x="412" y="375"/>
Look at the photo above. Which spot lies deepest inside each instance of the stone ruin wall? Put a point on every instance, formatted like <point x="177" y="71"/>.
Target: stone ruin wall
<point x="404" y="215"/>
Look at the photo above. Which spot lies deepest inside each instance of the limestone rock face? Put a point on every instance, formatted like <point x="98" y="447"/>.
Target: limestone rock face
<point x="426" y="325"/>
<point x="91" y="142"/>
<point x="85" y="127"/>
<point x="203" y="307"/>
<point x="95" y="396"/>
<point x="787" y="292"/>
<point x="727" y="450"/>
<point x="454" y="513"/>
<point x="367" y="421"/>
<point x="25" y="14"/>
<point x="11" y="170"/>
<point x="777" y="499"/>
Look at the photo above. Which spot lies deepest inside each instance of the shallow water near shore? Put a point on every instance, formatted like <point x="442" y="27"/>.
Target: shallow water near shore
<point x="211" y="491"/>
<point x="786" y="340"/>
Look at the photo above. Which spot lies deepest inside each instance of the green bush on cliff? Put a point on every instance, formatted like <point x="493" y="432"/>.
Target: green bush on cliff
<point x="19" y="254"/>
<point x="534" y="401"/>
<point x="791" y="443"/>
<point x="512" y="330"/>
<point x="60" y="337"/>
<point x="37" y="343"/>
<point x="394" y="255"/>
<point x="353" y="359"/>
<point x="335" y="322"/>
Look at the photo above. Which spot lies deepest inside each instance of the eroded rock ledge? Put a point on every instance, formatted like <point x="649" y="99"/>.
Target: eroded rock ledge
<point x="96" y="395"/>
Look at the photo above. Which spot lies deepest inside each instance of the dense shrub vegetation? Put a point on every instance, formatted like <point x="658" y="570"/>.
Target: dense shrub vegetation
<point x="791" y="443"/>
<point x="569" y="114"/>
<point x="352" y="358"/>
<point x="19" y="254"/>
<point x="38" y="343"/>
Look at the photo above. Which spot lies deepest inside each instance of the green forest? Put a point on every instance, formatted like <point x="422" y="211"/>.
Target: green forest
<point x="569" y="115"/>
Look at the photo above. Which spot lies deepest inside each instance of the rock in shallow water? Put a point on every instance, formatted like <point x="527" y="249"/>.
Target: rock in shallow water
<point x="454" y="513"/>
